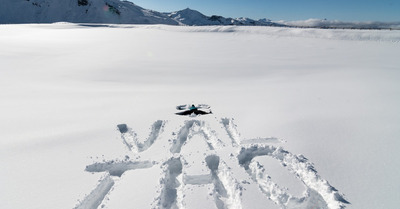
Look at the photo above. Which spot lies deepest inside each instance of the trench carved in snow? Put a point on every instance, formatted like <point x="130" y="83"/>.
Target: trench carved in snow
<point x="116" y="168"/>
<point x="169" y="194"/>
<point x="192" y="128"/>
<point x="226" y="189"/>
<point x="96" y="197"/>
<point x="130" y="139"/>
<point x="319" y="192"/>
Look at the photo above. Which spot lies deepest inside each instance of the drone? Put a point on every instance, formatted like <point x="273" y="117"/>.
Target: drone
<point x="192" y="110"/>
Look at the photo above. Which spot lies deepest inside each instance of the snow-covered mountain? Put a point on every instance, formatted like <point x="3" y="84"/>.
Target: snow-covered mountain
<point x="79" y="11"/>
<point x="126" y="12"/>
<point x="193" y="17"/>
<point x="107" y="11"/>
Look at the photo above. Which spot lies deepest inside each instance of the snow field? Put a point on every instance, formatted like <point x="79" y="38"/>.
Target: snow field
<point x="331" y="95"/>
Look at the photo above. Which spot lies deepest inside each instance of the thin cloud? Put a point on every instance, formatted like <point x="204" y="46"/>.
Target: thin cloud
<point x="342" y="24"/>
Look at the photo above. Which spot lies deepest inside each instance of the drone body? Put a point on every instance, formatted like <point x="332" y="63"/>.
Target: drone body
<point x="192" y="110"/>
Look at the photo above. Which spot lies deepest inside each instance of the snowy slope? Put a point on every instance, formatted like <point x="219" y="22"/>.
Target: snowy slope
<point x="302" y="117"/>
<point x="193" y="17"/>
<point x="190" y="17"/>
<point x="78" y="11"/>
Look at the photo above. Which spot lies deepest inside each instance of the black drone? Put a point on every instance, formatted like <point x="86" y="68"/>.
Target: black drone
<point x="192" y="110"/>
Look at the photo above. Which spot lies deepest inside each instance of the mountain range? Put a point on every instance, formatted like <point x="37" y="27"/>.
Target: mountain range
<point x="108" y="11"/>
<point x="126" y="12"/>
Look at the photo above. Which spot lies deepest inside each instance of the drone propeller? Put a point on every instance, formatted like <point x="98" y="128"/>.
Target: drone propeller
<point x="182" y="107"/>
<point x="203" y="106"/>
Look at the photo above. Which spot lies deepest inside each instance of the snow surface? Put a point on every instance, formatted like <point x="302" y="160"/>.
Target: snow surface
<point x="302" y="117"/>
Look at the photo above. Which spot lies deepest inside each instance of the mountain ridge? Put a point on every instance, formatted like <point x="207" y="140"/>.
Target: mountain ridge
<point x="193" y="17"/>
<point x="108" y="11"/>
<point x="79" y="11"/>
<point x="127" y="12"/>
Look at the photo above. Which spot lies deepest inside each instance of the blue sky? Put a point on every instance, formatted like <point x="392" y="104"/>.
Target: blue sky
<point x="345" y="10"/>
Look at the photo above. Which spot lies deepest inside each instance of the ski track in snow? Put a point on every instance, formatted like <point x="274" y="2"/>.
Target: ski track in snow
<point x="226" y="189"/>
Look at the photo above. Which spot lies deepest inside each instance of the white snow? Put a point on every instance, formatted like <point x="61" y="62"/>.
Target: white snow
<point x="87" y="117"/>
